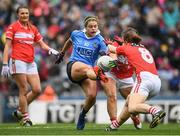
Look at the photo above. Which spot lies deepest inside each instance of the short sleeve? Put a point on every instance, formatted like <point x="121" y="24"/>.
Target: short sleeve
<point x="37" y="35"/>
<point x="10" y="32"/>
<point x="120" y="50"/>
<point x="115" y="44"/>
<point x="103" y="47"/>
<point x="73" y="33"/>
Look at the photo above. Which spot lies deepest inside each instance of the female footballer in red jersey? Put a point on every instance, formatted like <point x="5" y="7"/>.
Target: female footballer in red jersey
<point x="120" y="78"/>
<point x="147" y="82"/>
<point x="21" y="36"/>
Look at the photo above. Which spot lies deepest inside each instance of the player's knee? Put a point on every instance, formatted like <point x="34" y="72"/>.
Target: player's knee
<point x="23" y="90"/>
<point x="112" y="98"/>
<point x="92" y="98"/>
<point x="36" y="91"/>
<point x="22" y="85"/>
<point x="87" y="70"/>
<point x="132" y="108"/>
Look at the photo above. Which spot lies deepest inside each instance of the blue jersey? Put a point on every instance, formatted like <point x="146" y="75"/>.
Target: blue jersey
<point x="86" y="49"/>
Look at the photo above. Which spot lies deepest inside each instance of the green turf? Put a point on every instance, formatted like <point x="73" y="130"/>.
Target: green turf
<point x="90" y="129"/>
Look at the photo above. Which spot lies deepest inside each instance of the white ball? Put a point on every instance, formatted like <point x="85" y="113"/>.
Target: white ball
<point x="103" y="63"/>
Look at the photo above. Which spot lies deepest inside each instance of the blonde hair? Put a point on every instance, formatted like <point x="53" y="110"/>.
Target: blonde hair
<point x="90" y="18"/>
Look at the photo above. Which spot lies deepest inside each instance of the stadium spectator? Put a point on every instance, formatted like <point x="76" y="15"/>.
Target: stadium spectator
<point x="171" y="16"/>
<point x="174" y="83"/>
<point x="21" y="37"/>
<point x="147" y="82"/>
<point x="87" y="45"/>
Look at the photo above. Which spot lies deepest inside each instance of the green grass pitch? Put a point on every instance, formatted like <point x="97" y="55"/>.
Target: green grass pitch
<point x="90" y="129"/>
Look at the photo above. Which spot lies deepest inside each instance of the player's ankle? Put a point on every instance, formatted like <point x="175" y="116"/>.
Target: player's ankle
<point x="114" y="123"/>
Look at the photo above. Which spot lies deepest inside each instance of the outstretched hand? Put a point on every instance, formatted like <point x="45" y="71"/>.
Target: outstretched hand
<point x="53" y="51"/>
<point x="59" y="58"/>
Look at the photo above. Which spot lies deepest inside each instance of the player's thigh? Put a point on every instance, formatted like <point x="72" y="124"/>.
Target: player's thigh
<point x="136" y="98"/>
<point x="109" y="87"/>
<point x="34" y="82"/>
<point x="33" y="77"/>
<point x="21" y="81"/>
<point x="125" y="85"/>
<point x="125" y="91"/>
<point x="79" y="70"/>
<point x="89" y="87"/>
<point x="139" y="93"/>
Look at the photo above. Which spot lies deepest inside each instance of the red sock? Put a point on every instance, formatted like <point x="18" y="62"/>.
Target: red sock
<point x="25" y="116"/>
<point x="114" y="122"/>
<point x="153" y="110"/>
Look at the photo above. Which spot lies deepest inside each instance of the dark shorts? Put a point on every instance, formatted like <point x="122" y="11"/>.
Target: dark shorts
<point x="68" y="70"/>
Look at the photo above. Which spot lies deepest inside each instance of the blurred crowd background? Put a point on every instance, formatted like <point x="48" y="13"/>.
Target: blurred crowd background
<point x="158" y="21"/>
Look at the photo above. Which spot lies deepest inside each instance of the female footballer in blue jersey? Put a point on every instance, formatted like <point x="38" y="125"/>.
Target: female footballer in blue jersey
<point x="87" y="44"/>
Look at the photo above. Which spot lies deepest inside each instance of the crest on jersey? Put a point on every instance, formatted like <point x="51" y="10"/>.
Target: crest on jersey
<point x="95" y="45"/>
<point x="86" y="44"/>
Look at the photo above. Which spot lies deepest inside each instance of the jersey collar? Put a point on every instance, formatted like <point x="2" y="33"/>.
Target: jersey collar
<point x="22" y="25"/>
<point x="84" y="30"/>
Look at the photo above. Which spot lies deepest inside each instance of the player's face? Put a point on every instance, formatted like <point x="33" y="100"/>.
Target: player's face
<point x="91" y="28"/>
<point x="23" y="15"/>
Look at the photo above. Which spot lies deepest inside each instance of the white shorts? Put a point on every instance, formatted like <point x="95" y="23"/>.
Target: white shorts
<point x="121" y="83"/>
<point x="18" y="66"/>
<point x="147" y="84"/>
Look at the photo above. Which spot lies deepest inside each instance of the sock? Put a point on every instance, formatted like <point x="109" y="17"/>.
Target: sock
<point x="114" y="123"/>
<point x="25" y="116"/>
<point x="113" y="118"/>
<point x="153" y="110"/>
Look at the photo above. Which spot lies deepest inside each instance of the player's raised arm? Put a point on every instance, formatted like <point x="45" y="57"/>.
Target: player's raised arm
<point x="66" y="46"/>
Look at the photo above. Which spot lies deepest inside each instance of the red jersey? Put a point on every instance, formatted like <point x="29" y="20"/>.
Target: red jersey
<point x="124" y="69"/>
<point x="139" y="57"/>
<point x="22" y="41"/>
